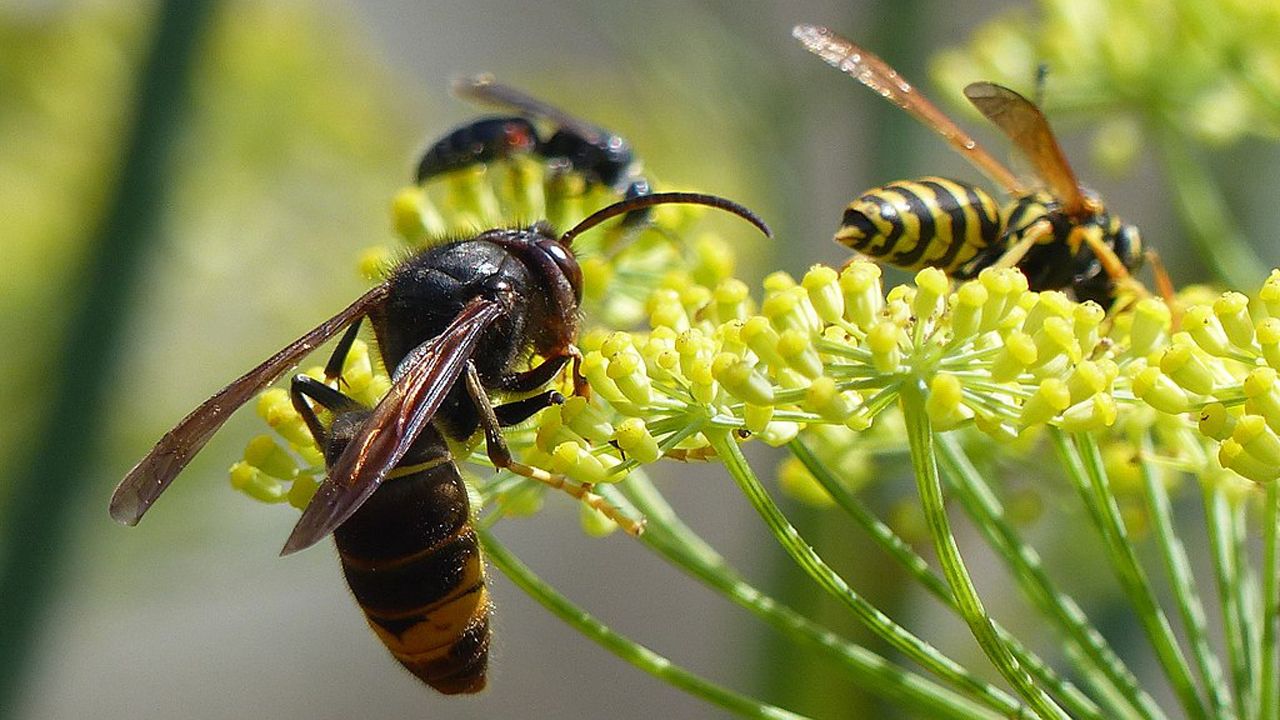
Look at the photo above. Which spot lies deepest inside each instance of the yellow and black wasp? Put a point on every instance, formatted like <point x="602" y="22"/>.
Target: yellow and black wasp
<point x="1061" y="237"/>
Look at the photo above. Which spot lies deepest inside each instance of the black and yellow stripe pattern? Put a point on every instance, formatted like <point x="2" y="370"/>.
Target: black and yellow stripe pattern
<point x="413" y="562"/>
<point x="930" y="222"/>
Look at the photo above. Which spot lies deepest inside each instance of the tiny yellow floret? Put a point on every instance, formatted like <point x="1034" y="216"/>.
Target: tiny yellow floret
<point x="1151" y="322"/>
<point x="823" y="286"/>
<point x="634" y="438"/>
<point x="1160" y="392"/>
<point x="1232" y="310"/>
<point x="1215" y="422"/>
<point x="1049" y="399"/>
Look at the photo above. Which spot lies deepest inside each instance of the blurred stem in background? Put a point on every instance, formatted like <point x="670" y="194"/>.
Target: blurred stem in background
<point x="41" y="504"/>
<point x="1210" y="223"/>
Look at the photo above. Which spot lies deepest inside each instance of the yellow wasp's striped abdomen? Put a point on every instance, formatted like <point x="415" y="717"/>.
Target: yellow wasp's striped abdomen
<point x="930" y="222"/>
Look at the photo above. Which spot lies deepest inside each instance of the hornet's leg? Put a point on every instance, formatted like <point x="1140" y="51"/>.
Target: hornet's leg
<point x="500" y="454"/>
<point x="333" y="368"/>
<point x="304" y="387"/>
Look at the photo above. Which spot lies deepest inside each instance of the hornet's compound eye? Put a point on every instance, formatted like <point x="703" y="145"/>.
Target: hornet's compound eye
<point x="568" y="265"/>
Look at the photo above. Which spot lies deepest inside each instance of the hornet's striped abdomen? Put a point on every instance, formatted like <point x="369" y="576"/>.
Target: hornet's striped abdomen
<point x="413" y="562"/>
<point x="930" y="222"/>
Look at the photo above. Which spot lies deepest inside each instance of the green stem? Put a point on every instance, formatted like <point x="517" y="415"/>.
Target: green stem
<point x="1076" y="702"/>
<point x="877" y="622"/>
<point x="1219" y="518"/>
<point x="1088" y="650"/>
<point x="36" y="522"/>
<point x="679" y="545"/>
<point x="1245" y="599"/>
<point x="1206" y="216"/>
<point x="1269" y="668"/>
<point x="1183" y="583"/>
<point x="1085" y="469"/>
<point x="929" y="485"/>
<point x="625" y="648"/>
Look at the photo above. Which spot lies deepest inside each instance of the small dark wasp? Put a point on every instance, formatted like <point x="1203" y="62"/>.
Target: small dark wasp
<point x="600" y="156"/>
<point x="1059" y="238"/>
<point x="454" y="322"/>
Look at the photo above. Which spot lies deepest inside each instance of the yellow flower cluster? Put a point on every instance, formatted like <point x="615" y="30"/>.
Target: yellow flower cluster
<point x="829" y="354"/>
<point x="834" y="351"/>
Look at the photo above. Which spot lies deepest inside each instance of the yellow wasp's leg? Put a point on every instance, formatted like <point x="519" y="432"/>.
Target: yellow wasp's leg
<point x="1112" y="264"/>
<point x="1034" y="233"/>
<point x="1164" y="284"/>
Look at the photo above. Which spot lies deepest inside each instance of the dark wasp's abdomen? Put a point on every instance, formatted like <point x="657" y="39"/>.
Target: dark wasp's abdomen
<point x="482" y="141"/>
<point x="413" y="563"/>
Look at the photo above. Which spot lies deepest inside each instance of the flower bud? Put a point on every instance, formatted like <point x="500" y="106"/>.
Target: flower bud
<point x="1269" y="339"/>
<point x="1215" y="422"/>
<point x="573" y="461"/>
<point x="863" y="296"/>
<point x="1157" y="390"/>
<point x="636" y="441"/>
<point x="1087" y="319"/>
<point x="756" y="418"/>
<point x="760" y="336"/>
<point x="1087" y="379"/>
<point x="1262" y="395"/>
<point x="1186" y="368"/>
<point x="1049" y="304"/>
<point x="966" y="310"/>
<point x="731" y="300"/>
<point x="713" y="260"/>
<point x="1051" y="398"/>
<point x="1151" y="320"/>
<point x="594" y="522"/>
<point x="580" y="416"/>
<point x="799" y="353"/>
<point x="796" y="481"/>
<point x="263" y="453"/>
<point x="1203" y="327"/>
<point x="627" y="371"/>
<point x="945" y="403"/>
<point x="1096" y="413"/>
<point x="932" y="286"/>
<point x="823" y="286"/>
<point x="1233" y="457"/>
<point x="742" y="380"/>
<point x="1016" y="355"/>
<point x="1004" y="287"/>
<point x="882" y="341"/>
<point x="1232" y="310"/>
<point x="824" y="399"/>
<point x="1269" y="295"/>
<point x="256" y="484"/>
<point x="1257" y="440"/>
<point x="302" y="489"/>
<point x="595" y="368"/>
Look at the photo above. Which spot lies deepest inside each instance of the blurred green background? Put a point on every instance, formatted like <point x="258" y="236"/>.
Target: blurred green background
<point x="298" y="123"/>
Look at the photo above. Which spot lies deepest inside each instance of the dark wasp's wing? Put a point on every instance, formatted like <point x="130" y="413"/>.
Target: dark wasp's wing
<point x="1027" y="127"/>
<point x="144" y="483"/>
<point x="484" y="90"/>
<point x="422" y="381"/>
